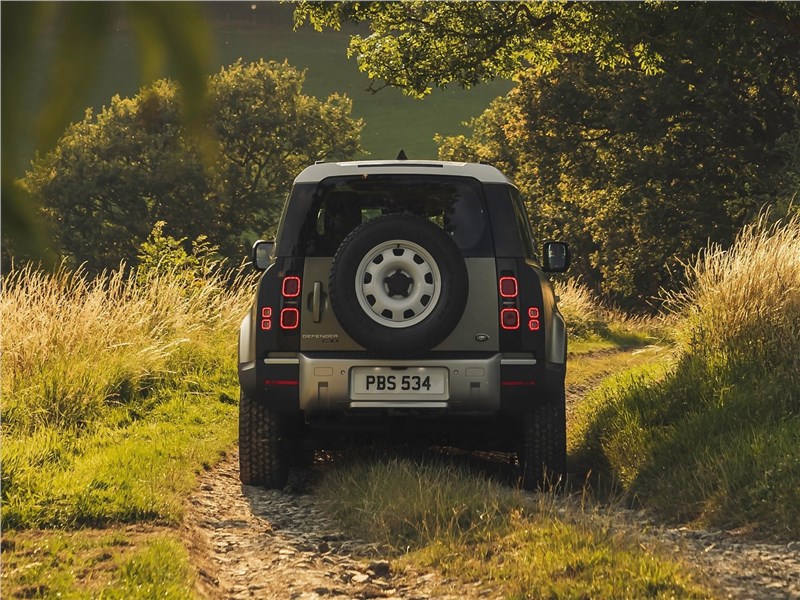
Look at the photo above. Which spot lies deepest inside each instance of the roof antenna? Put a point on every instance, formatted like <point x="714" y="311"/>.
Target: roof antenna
<point x="402" y="155"/>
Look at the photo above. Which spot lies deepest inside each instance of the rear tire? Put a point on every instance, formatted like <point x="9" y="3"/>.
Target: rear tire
<point x="262" y="445"/>
<point x="543" y="446"/>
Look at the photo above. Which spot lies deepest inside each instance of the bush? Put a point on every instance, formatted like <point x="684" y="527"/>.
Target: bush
<point x="113" y="175"/>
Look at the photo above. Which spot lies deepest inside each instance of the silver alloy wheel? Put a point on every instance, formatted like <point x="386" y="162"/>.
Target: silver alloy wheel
<point x="398" y="283"/>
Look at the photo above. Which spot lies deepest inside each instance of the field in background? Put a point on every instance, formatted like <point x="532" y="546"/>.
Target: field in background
<point x="392" y="121"/>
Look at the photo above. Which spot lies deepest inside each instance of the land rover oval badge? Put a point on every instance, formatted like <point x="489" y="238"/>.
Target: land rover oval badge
<point x="482" y="337"/>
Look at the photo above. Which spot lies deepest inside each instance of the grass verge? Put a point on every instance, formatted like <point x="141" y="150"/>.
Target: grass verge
<point x="117" y="390"/>
<point x="95" y="563"/>
<point x="593" y="327"/>
<point x="717" y="438"/>
<point x="473" y="529"/>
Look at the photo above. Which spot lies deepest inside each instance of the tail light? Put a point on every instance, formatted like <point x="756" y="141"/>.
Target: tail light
<point x="290" y="318"/>
<point x="509" y="288"/>
<point x="266" y="318"/>
<point x="290" y="311"/>
<point x="509" y="313"/>
<point x="533" y="319"/>
<point x="509" y="318"/>
<point x="290" y="288"/>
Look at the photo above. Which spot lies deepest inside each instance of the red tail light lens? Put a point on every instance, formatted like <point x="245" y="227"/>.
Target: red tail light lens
<point x="269" y="382"/>
<point x="290" y="318"/>
<point x="509" y="318"/>
<point x="291" y="287"/>
<point x="533" y="319"/>
<point x="508" y="287"/>
<point x="266" y="318"/>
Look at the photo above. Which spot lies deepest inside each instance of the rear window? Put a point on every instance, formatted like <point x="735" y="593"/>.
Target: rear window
<point x="340" y="204"/>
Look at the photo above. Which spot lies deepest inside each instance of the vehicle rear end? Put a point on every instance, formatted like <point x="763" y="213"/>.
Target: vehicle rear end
<point x="404" y="301"/>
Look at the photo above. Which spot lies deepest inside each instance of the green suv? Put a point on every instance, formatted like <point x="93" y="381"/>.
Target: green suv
<point x="405" y="300"/>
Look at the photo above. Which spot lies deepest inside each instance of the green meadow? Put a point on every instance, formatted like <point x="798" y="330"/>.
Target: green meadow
<point x="392" y="120"/>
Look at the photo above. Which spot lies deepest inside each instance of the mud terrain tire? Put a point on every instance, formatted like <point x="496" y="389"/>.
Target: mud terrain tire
<point x="263" y="457"/>
<point x="543" y="446"/>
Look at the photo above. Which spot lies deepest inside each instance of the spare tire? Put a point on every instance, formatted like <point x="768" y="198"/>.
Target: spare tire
<point x="398" y="285"/>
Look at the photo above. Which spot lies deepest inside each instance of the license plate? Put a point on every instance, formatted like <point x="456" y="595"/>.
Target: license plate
<point x="412" y="382"/>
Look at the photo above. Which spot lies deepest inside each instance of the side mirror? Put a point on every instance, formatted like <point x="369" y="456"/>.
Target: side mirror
<point x="556" y="257"/>
<point x="262" y="254"/>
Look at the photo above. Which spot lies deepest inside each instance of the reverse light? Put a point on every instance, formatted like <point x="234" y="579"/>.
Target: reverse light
<point x="290" y="318"/>
<point x="509" y="318"/>
<point x="266" y="318"/>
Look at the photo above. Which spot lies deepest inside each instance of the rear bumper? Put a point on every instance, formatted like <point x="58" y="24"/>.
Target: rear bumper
<point x="487" y="384"/>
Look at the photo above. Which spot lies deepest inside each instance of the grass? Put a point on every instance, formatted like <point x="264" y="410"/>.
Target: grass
<point x="593" y="327"/>
<point x="437" y="514"/>
<point x="440" y="514"/>
<point x="117" y="391"/>
<point x="715" y="439"/>
<point x="95" y="563"/>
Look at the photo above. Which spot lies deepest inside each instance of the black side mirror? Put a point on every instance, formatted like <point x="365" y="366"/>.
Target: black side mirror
<point x="262" y="254"/>
<point x="556" y="257"/>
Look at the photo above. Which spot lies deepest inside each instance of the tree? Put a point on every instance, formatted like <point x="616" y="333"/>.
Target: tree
<point x="168" y="33"/>
<point x="639" y="131"/>
<point x="268" y="131"/>
<point x="416" y="44"/>
<point x="112" y="176"/>
<point x="639" y="172"/>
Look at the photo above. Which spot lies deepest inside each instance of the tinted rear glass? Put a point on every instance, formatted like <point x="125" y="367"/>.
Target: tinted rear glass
<point x="340" y="204"/>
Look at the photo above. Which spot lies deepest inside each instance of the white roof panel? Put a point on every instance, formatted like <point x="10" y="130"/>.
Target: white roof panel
<point x="483" y="173"/>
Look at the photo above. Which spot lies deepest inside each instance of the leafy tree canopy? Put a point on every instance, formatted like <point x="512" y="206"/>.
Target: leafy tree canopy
<point x="416" y="44"/>
<point x="639" y="172"/>
<point x="114" y="175"/>
<point x="638" y="131"/>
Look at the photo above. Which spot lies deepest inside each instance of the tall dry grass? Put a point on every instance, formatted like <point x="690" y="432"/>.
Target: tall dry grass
<point x="74" y="346"/>
<point x="580" y="306"/>
<point x="718" y="439"/>
<point x="741" y="305"/>
<point x="589" y="318"/>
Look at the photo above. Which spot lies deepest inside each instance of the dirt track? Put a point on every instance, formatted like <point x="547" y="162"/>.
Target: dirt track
<point x="253" y="543"/>
<point x="247" y="542"/>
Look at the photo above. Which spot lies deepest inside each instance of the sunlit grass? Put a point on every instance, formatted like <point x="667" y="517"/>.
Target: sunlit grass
<point x="717" y="438"/>
<point x="469" y="527"/>
<point x="115" y="391"/>
<point x="95" y="564"/>
<point x="593" y="327"/>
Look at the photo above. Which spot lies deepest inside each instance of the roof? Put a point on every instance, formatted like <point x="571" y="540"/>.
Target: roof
<point x="481" y="172"/>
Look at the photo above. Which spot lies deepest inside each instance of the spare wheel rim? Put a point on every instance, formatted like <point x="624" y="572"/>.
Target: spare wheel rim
<point x="398" y="284"/>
